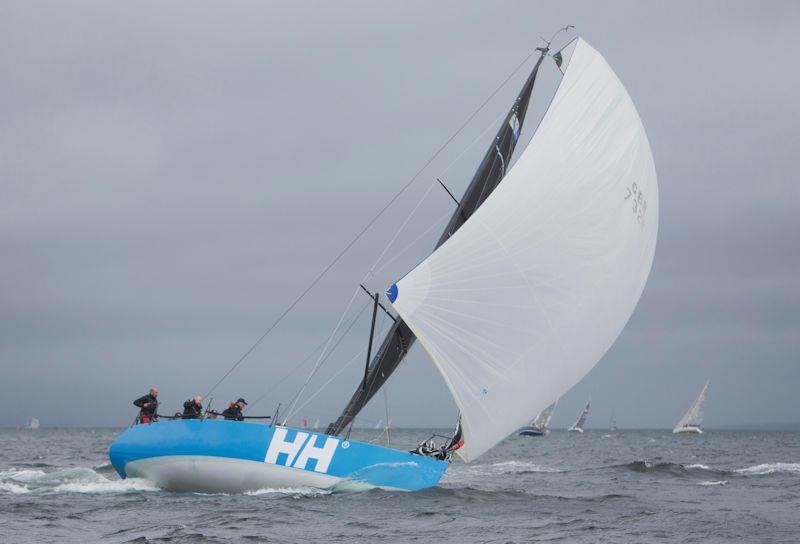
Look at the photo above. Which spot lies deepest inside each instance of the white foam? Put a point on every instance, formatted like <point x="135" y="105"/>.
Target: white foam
<point x="712" y="482"/>
<point x="295" y="491"/>
<point x="21" y="475"/>
<point x="14" y="489"/>
<point x="68" y="480"/>
<point x="698" y="465"/>
<point x="520" y="466"/>
<point x="460" y="473"/>
<point x="107" y="486"/>
<point x="770" y="468"/>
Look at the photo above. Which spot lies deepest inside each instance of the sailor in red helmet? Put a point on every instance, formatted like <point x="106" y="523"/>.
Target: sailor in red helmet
<point x="234" y="411"/>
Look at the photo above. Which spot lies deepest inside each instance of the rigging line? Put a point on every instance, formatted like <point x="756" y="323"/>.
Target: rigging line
<point x="310" y="355"/>
<point x="322" y="357"/>
<point x="372" y="270"/>
<point x="369" y="224"/>
<point x="427" y="231"/>
<point x="476" y="140"/>
<point x="332" y="378"/>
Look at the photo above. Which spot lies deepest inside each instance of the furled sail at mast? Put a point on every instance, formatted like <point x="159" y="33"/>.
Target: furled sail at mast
<point x="582" y="418"/>
<point x="519" y="304"/>
<point x="491" y="171"/>
<point x="694" y="415"/>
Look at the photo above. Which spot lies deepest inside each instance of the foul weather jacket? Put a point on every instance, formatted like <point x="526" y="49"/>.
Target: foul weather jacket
<point x="191" y="410"/>
<point x="147" y="404"/>
<point x="233" y="412"/>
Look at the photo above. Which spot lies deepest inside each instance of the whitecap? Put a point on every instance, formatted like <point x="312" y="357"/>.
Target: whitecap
<point x="21" y="475"/>
<point x="769" y="468"/>
<point x="698" y="465"/>
<point x="712" y="482"/>
<point x="14" y="489"/>
<point x="103" y="485"/>
<point x="296" y="491"/>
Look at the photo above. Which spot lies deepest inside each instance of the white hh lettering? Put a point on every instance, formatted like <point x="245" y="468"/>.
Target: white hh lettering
<point x="279" y="445"/>
<point x="322" y="455"/>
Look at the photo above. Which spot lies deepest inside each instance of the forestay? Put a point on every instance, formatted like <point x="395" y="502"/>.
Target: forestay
<point x="523" y="300"/>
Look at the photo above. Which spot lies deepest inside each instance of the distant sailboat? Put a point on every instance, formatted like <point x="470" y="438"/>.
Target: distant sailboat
<point x="538" y="427"/>
<point x="691" y="421"/>
<point x="578" y="427"/>
<point x="613" y="426"/>
<point x="32" y="423"/>
<point x="379" y="424"/>
<point x="316" y="425"/>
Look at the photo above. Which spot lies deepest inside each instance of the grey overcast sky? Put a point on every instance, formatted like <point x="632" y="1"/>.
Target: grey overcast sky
<point x="174" y="173"/>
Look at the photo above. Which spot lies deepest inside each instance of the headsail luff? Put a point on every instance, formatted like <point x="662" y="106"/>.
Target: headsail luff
<point x="491" y="171"/>
<point x="694" y="415"/>
<point x="518" y="305"/>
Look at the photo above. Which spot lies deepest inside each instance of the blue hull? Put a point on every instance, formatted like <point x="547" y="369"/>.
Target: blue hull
<point x="531" y="431"/>
<point x="231" y="456"/>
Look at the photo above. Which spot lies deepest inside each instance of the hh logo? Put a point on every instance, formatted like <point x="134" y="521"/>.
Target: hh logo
<point x="298" y="452"/>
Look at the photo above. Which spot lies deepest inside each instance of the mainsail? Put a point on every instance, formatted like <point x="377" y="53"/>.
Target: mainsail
<point x="694" y="416"/>
<point x="491" y="171"/>
<point x="526" y="297"/>
<point x="542" y="421"/>
<point x="582" y="418"/>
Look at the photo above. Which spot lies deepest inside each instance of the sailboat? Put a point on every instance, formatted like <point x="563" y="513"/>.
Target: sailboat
<point x="560" y="240"/>
<point x="32" y="423"/>
<point x="578" y="426"/>
<point x="693" y="418"/>
<point x="538" y="427"/>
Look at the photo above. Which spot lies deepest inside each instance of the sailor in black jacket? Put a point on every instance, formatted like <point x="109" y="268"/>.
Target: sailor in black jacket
<point x="234" y="411"/>
<point x="193" y="408"/>
<point x="148" y="405"/>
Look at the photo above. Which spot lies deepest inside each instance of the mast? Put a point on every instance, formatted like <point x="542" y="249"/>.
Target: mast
<point x="491" y="171"/>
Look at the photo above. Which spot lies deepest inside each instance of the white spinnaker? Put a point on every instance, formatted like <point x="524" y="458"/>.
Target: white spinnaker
<point x="694" y="415"/>
<point x="525" y="298"/>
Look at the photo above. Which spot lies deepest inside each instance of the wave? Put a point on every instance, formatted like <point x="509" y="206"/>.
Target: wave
<point x="770" y="468"/>
<point x="14" y="489"/>
<point x="712" y="482"/>
<point x="292" y="491"/>
<point x="674" y="469"/>
<point x="68" y="480"/>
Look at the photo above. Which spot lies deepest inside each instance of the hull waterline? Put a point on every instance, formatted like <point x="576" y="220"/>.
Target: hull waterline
<point x="688" y="430"/>
<point x="217" y="456"/>
<point x="532" y="431"/>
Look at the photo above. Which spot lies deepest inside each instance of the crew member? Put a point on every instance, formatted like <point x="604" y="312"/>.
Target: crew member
<point x="148" y="405"/>
<point x="193" y="408"/>
<point x="234" y="411"/>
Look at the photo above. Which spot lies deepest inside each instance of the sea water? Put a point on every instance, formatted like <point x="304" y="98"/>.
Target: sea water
<point x="56" y="485"/>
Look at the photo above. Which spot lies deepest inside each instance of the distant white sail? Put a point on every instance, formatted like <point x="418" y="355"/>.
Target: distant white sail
<point x="578" y="426"/>
<point x="693" y="418"/>
<point x="316" y="425"/>
<point x="527" y="296"/>
<point x="33" y="423"/>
